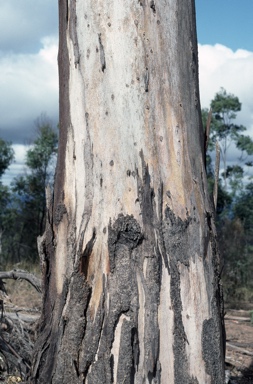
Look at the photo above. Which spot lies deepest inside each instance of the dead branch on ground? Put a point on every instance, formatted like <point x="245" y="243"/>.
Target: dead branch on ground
<point x="19" y="274"/>
<point x="17" y="328"/>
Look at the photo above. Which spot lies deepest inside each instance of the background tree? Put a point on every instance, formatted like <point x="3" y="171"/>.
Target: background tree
<point x="224" y="129"/>
<point x="130" y="263"/>
<point x="234" y="175"/>
<point x="25" y="213"/>
<point x="233" y="214"/>
<point x="6" y="157"/>
<point x="236" y="245"/>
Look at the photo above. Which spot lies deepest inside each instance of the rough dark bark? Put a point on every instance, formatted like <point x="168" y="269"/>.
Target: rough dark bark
<point x="130" y="261"/>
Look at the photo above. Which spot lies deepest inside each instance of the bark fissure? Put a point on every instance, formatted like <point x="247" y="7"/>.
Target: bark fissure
<point x="151" y="276"/>
<point x="181" y="375"/>
<point x="146" y="80"/>
<point x="87" y="253"/>
<point x="74" y="324"/>
<point x="215" y="325"/>
<point x="91" y="338"/>
<point x="67" y="11"/>
<point x="102" y="53"/>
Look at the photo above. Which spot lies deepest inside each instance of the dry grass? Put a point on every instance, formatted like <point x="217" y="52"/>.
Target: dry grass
<point x="20" y="292"/>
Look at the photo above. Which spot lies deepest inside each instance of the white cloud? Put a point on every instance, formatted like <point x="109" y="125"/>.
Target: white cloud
<point x="220" y="67"/>
<point x="28" y="86"/>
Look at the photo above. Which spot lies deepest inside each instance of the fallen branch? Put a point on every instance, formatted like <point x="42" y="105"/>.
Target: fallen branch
<point x="244" y="351"/>
<point x="18" y="274"/>
<point x="22" y="317"/>
<point x="17" y="329"/>
<point x="236" y="318"/>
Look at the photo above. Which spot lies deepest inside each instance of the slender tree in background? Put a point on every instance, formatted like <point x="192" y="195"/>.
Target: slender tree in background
<point x="24" y="214"/>
<point x="129" y="256"/>
<point x="6" y="157"/>
<point x="40" y="161"/>
<point x="224" y="108"/>
<point x="235" y="203"/>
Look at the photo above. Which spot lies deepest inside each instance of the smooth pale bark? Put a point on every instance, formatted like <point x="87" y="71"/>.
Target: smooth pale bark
<point x="131" y="269"/>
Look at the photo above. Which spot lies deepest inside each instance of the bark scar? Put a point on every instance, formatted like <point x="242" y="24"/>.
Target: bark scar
<point x="152" y="6"/>
<point x="102" y="53"/>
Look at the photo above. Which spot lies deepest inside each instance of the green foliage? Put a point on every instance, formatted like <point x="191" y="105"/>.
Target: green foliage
<point x="245" y="144"/>
<point x="234" y="175"/>
<point x="24" y="217"/>
<point x="4" y="197"/>
<point x="224" y="130"/>
<point x="224" y="107"/>
<point x="38" y="158"/>
<point x="243" y="208"/>
<point x="224" y="201"/>
<point x="6" y="155"/>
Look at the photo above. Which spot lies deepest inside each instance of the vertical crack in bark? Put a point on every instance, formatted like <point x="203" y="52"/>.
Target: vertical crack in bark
<point x="160" y="234"/>
<point x="181" y="242"/>
<point x="73" y="322"/>
<point x="67" y="11"/>
<point x="92" y="337"/>
<point x="151" y="273"/>
<point x="46" y="363"/>
<point x="87" y="253"/>
<point x="146" y="80"/>
<point x="121" y="294"/>
<point x="213" y="330"/>
<point x="89" y="189"/>
<point x="181" y="375"/>
<point x="102" y="53"/>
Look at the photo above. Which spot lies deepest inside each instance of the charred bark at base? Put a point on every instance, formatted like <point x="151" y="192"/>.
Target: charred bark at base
<point x="82" y="347"/>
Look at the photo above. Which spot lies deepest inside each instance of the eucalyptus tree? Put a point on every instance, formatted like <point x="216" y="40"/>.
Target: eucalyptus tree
<point x="224" y="129"/>
<point x="6" y="158"/>
<point x="24" y="218"/>
<point x="6" y="155"/>
<point x="129" y="256"/>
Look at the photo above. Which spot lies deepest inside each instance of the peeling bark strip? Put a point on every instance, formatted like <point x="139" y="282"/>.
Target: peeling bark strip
<point x="72" y="20"/>
<point x="129" y="256"/>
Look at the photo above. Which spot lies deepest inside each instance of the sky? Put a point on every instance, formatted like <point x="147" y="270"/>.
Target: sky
<point x="28" y="64"/>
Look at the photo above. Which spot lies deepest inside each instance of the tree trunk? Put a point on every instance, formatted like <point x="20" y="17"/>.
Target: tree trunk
<point x="131" y="269"/>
